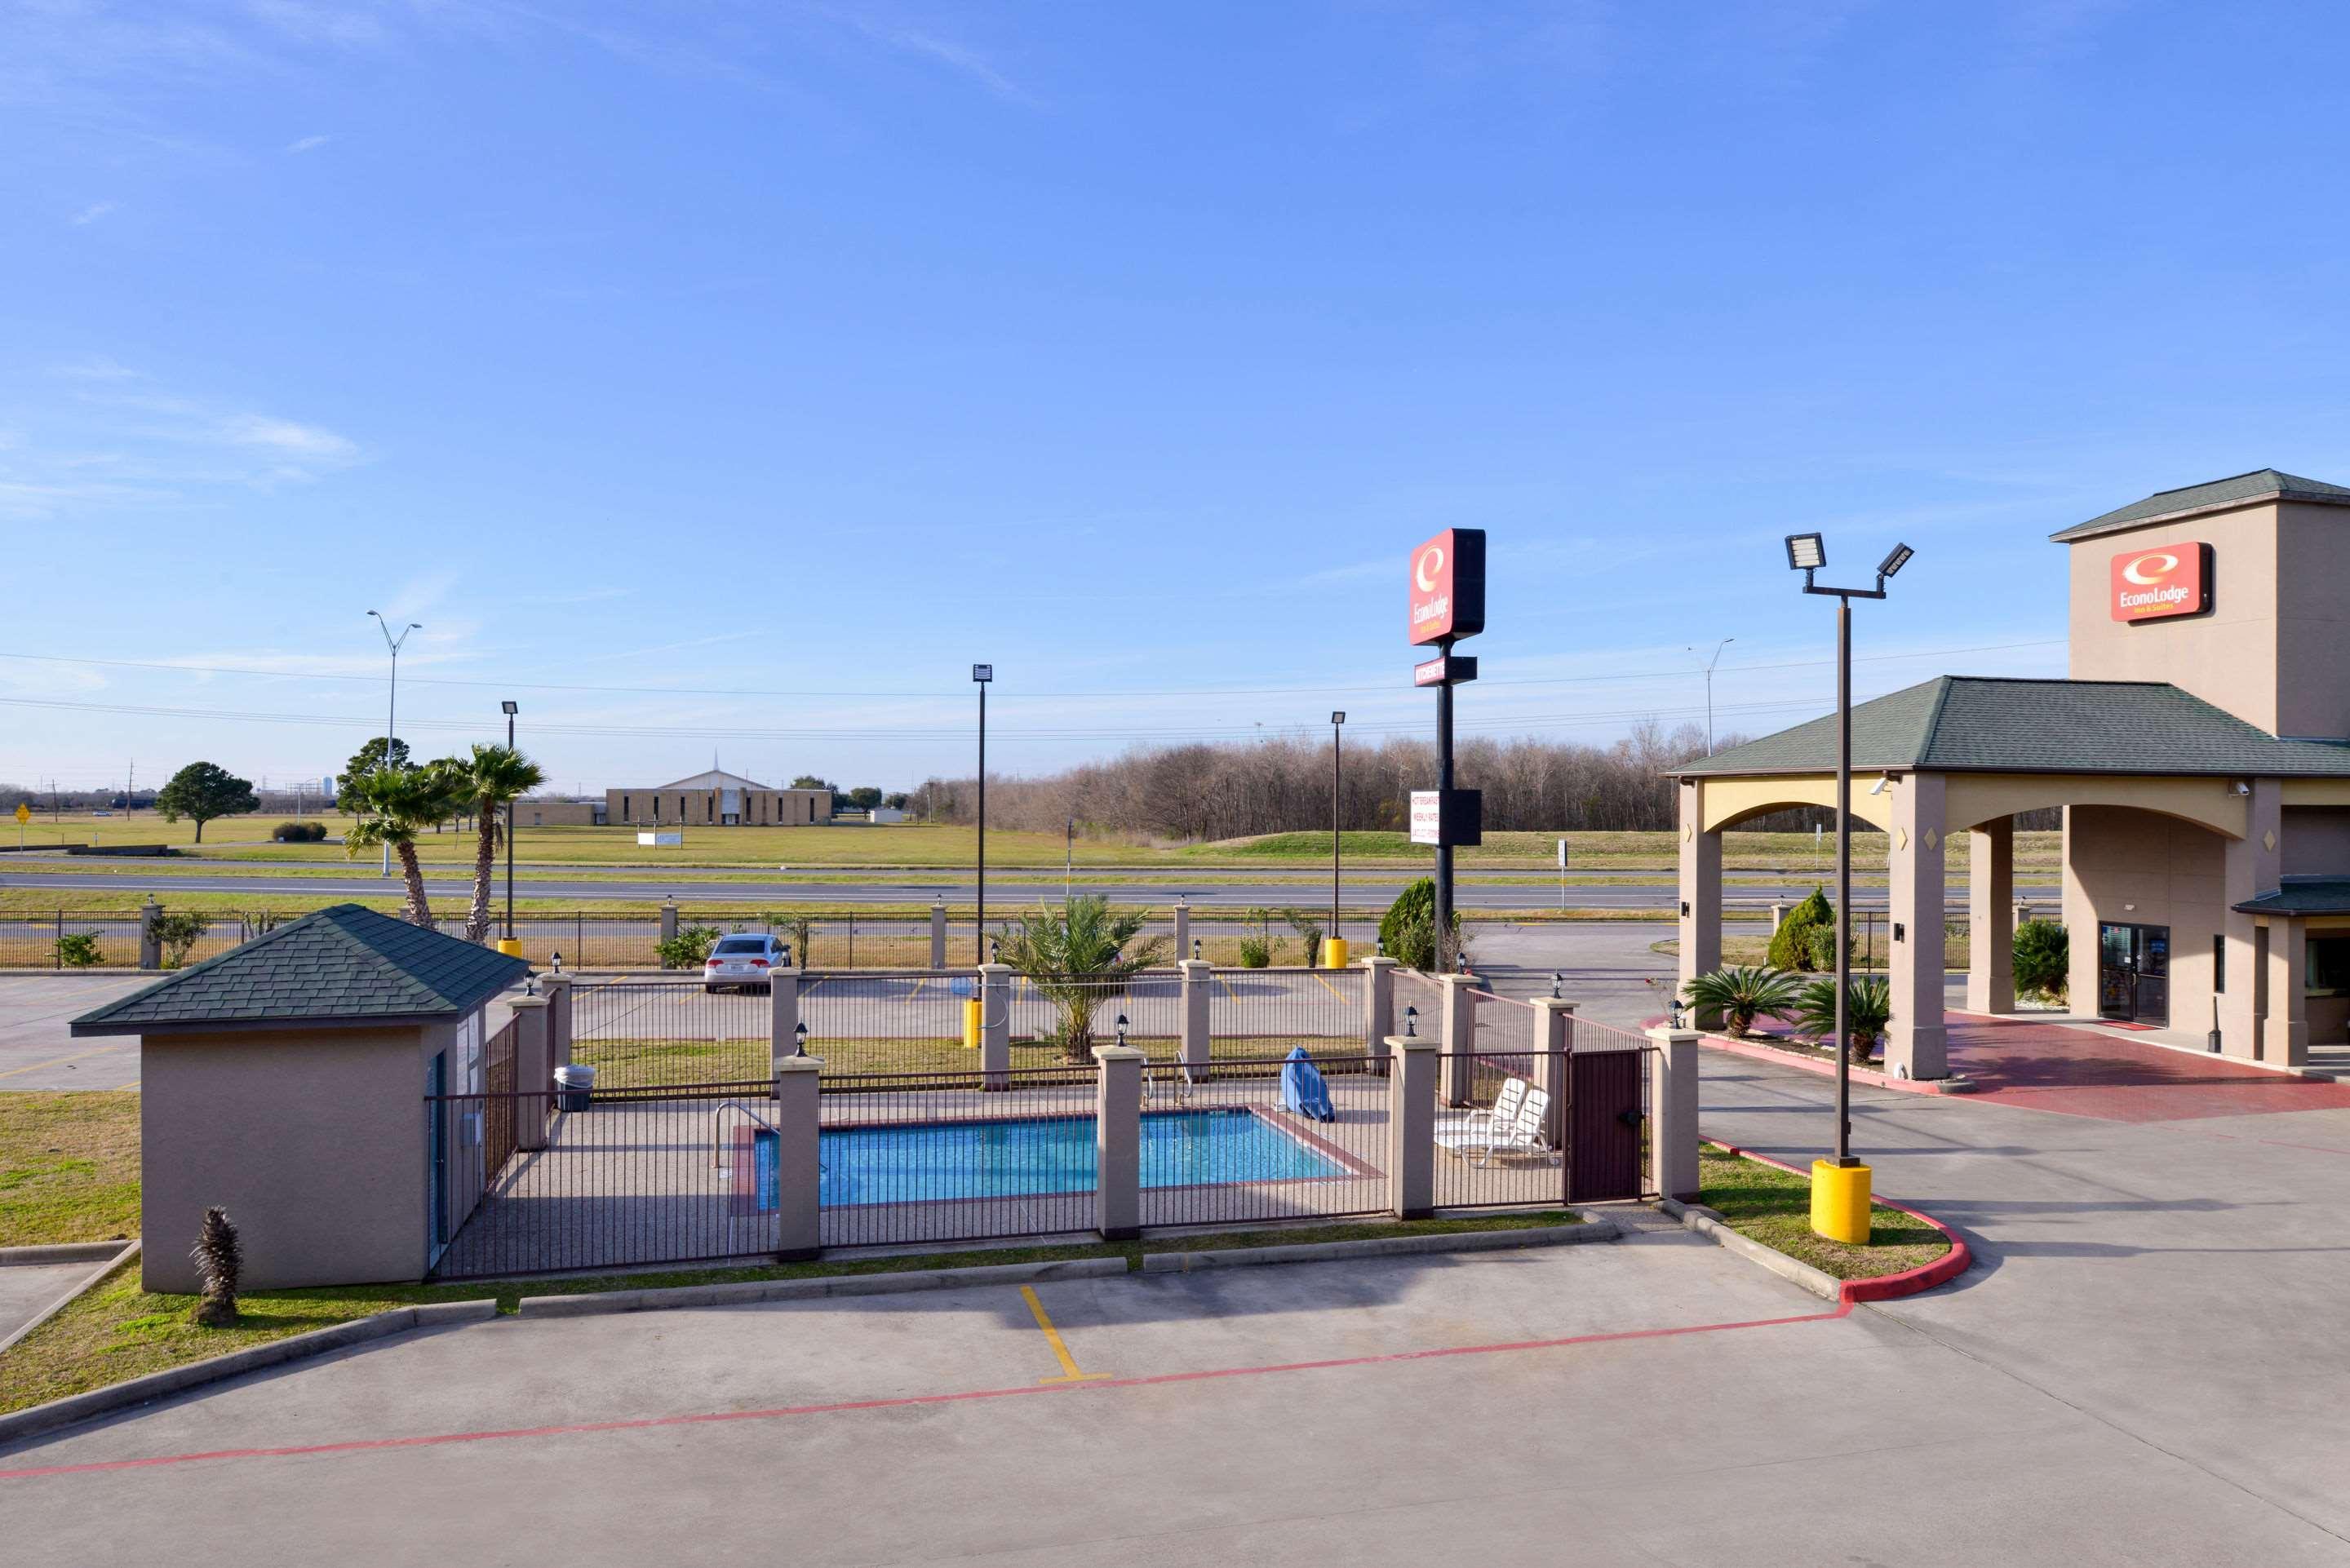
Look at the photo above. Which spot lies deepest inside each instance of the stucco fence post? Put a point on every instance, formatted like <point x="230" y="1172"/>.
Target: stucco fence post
<point x="1672" y="1113"/>
<point x="1182" y="929"/>
<point x="995" y="1025"/>
<point x="1197" y="976"/>
<point x="1411" y="1126"/>
<point x="1459" y="1035"/>
<point x="939" y="935"/>
<point x="534" y="1070"/>
<point x="783" y="1016"/>
<point x="1554" y="1041"/>
<point x="1117" y="1142"/>
<point x="669" y="919"/>
<point x="799" y="1167"/>
<point x="558" y="989"/>
<point x="151" y="949"/>
<point x="1379" y="1006"/>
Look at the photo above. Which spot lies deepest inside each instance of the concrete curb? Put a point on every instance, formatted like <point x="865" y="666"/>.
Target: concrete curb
<point x="1953" y="1084"/>
<point x="1382" y="1247"/>
<point x="74" y="1408"/>
<point x="62" y="1252"/>
<point x="117" y="1254"/>
<point x="739" y="1293"/>
<point x="1885" y="1287"/>
<point x="1708" y="1223"/>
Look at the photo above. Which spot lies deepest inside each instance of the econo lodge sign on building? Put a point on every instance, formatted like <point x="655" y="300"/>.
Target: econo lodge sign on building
<point x="2168" y="580"/>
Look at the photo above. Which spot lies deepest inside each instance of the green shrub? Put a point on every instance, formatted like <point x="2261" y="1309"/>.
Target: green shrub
<point x="1791" y="946"/>
<point x="2043" y="960"/>
<point x="177" y="934"/>
<point x="1258" y="948"/>
<point x="1739" y="996"/>
<point x="299" y="832"/>
<point x="1408" y="931"/>
<point x="1309" y="934"/>
<point x="1819" y="942"/>
<point x="687" y="948"/>
<point x="78" y="950"/>
<point x="1868" y="1008"/>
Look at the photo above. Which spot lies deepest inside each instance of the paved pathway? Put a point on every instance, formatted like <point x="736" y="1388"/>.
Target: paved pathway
<point x="2048" y="1066"/>
<point x="36" y="1050"/>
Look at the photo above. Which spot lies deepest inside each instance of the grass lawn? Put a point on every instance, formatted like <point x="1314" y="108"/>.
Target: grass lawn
<point x="68" y="1168"/>
<point x="118" y="1331"/>
<point x="1775" y="1207"/>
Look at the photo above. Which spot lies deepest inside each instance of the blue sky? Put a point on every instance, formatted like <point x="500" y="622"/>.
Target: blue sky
<point x="816" y="351"/>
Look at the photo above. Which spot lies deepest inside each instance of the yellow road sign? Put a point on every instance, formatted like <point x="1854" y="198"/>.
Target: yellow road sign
<point x="24" y="814"/>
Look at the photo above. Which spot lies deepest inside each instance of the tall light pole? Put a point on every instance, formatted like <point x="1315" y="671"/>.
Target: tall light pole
<point x="391" y="708"/>
<point x="510" y="711"/>
<point x="980" y="675"/>
<point x="1338" y="720"/>
<point x="1807" y="553"/>
<point x="1709" y="663"/>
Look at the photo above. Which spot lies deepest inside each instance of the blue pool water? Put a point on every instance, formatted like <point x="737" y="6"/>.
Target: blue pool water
<point x="1047" y="1155"/>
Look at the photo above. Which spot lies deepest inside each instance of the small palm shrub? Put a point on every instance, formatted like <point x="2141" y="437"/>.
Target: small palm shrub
<point x="1868" y="1008"/>
<point x="1077" y="957"/>
<point x="687" y="948"/>
<point x="78" y="950"/>
<point x="219" y="1258"/>
<point x="1791" y="945"/>
<point x="1741" y="993"/>
<point x="2042" y="962"/>
<point x="1309" y="934"/>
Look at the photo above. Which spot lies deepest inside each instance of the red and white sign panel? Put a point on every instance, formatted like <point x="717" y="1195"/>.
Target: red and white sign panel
<point x="1427" y="816"/>
<point x="2157" y="584"/>
<point x="1448" y="586"/>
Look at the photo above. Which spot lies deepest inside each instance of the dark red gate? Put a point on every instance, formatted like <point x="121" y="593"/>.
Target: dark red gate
<point x="1603" y="1137"/>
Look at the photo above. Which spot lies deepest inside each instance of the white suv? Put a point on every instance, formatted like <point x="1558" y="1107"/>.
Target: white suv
<point x="745" y="960"/>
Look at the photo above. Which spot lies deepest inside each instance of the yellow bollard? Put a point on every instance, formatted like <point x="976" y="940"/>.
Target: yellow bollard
<point x="510" y="946"/>
<point x="1840" y="1201"/>
<point x="1334" y="952"/>
<point x="971" y="1025"/>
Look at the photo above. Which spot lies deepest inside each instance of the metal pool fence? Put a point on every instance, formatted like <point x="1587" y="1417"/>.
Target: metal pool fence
<point x="907" y="1022"/>
<point x="1542" y="1127"/>
<point x="647" y="1034"/>
<point x="940" y="1156"/>
<point x="1265" y="1011"/>
<point x="661" y="1176"/>
<point x="1224" y="1149"/>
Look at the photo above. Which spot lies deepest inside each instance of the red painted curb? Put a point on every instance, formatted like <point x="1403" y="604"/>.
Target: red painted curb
<point x="1885" y="1287"/>
<point x="1870" y="1076"/>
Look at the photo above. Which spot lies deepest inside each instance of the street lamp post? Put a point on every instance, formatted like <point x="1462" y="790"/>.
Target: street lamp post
<point x="1807" y="553"/>
<point x="980" y="675"/>
<point x="1709" y="663"/>
<point x="1337" y="722"/>
<point x="391" y="708"/>
<point x="510" y="711"/>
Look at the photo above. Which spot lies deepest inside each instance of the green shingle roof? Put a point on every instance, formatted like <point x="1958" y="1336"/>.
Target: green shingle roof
<point x="347" y="964"/>
<point x="1968" y="723"/>
<point x="2260" y="485"/>
<point x="2303" y="896"/>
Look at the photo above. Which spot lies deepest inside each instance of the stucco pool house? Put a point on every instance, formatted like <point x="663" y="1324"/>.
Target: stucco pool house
<point x="2199" y="749"/>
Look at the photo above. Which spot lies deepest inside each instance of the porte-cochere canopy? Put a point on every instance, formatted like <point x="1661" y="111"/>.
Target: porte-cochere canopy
<point x="1961" y="754"/>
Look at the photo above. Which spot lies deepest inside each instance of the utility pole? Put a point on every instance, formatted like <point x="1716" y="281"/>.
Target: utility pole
<point x="510" y="710"/>
<point x="1337" y="721"/>
<point x="982" y="674"/>
<point x="391" y="708"/>
<point x="1709" y="663"/>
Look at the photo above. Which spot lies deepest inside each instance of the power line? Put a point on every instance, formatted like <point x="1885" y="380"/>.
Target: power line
<point x="504" y="685"/>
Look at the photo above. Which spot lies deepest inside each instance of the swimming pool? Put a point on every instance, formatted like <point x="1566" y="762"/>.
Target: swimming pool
<point x="1045" y="1155"/>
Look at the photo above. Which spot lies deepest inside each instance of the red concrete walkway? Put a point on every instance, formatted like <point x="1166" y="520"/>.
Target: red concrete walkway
<point x="2081" y="1073"/>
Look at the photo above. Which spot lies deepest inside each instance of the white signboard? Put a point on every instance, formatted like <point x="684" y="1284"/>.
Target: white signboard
<point x="660" y="840"/>
<point x="1561" y="853"/>
<point x="1426" y="816"/>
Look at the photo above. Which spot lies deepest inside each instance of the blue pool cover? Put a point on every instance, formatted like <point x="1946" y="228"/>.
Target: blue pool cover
<point x="1303" y="1090"/>
<point x="1028" y="1158"/>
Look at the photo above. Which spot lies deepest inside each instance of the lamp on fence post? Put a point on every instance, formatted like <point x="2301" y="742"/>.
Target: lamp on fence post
<point x="1121" y="1029"/>
<point x="799" y="1038"/>
<point x="1411" y="1023"/>
<point x="1195" y="948"/>
<point x="556" y="957"/>
<point x="1840" y="1185"/>
<point x="1558" y="985"/>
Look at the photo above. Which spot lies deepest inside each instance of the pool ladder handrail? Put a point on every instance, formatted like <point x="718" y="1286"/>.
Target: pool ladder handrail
<point x="717" y="1146"/>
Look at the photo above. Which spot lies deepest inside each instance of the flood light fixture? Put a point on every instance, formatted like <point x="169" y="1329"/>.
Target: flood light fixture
<point x="1896" y="561"/>
<point x="1807" y="552"/>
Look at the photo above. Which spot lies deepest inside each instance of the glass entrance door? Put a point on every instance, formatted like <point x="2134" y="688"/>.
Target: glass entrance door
<point x="2133" y="973"/>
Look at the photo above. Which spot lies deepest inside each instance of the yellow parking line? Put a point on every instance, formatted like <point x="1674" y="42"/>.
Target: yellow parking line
<point x="60" y="1061"/>
<point x="1069" y="1373"/>
<point x="918" y="988"/>
<point x="1329" y="987"/>
<point x="1228" y="988"/>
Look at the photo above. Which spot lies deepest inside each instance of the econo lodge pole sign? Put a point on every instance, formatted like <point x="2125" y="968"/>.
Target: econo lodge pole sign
<point x="1447" y="603"/>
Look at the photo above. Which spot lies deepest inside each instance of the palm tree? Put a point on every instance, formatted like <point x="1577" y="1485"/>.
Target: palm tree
<point x="1868" y="1008"/>
<point x="393" y="805"/>
<point x="487" y="782"/>
<point x="1074" y="956"/>
<point x="1741" y="994"/>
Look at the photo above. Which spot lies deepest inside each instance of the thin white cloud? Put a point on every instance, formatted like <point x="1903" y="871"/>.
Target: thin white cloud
<point x="311" y="441"/>
<point x="307" y="144"/>
<point x="956" y="57"/>
<point x="93" y="213"/>
<point x="97" y="367"/>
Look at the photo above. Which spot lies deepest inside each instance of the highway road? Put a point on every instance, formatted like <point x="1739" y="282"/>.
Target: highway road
<point x="1361" y="891"/>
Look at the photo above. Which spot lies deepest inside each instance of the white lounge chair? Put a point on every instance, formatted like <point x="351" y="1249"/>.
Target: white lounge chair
<point x="1481" y="1122"/>
<point x="1523" y="1133"/>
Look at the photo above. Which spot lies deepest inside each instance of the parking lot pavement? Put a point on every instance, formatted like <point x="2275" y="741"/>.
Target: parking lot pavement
<point x="27" y="1288"/>
<point x="1656" y="1400"/>
<point x="37" y="1049"/>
